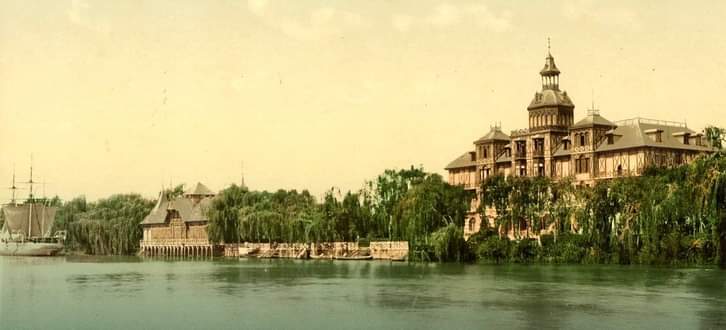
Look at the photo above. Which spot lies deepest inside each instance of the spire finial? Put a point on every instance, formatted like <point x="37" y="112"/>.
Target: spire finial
<point x="548" y="46"/>
<point x="592" y="111"/>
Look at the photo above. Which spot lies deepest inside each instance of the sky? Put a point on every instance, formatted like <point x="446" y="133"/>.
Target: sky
<point x="129" y="96"/>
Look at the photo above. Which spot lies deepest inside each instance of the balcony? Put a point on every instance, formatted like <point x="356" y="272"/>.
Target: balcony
<point x="520" y="154"/>
<point x="538" y="153"/>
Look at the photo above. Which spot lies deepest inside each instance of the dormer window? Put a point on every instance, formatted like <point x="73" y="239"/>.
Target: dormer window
<point x="684" y="136"/>
<point x="655" y="134"/>
<point x="611" y="139"/>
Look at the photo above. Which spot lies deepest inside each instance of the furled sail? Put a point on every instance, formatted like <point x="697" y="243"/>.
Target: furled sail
<point x="18" y="217"/>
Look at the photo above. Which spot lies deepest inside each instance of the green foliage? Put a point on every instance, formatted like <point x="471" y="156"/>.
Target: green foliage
<point x="494" y="249"/>
<point x="667" y="216"/>
<point x="109" y="226"/>
<point x="223" y="214"/>
<point x="407" y="205"/>
<point x="449" y="244"/>
<point x="715" y="136"/>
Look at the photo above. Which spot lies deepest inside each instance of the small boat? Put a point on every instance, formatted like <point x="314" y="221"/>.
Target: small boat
<point x="353" y="258"/>
<point x="321" y="256"/>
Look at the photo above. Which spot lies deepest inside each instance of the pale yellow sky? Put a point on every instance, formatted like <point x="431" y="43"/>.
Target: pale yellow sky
<point x="124" y="96"/>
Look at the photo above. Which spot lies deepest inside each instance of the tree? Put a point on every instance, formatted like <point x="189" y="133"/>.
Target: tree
<point x="715" y="136"/>
<point x="495" y="192"/>
<point x="223" y="214"/>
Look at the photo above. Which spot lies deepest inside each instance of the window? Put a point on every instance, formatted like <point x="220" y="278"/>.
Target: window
<point x="582" y="165"/>
<point x="659" y="136"/>
<point x="685" y="139"/>
<point x="611" y="140"/>
<point x="523" y="168"/>
<point x="582" y="139"/>
<point x="484" y="152"/>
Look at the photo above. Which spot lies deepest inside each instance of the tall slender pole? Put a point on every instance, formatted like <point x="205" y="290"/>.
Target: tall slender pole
<point x="13" y="188"/>
<point x="30" y="202"/>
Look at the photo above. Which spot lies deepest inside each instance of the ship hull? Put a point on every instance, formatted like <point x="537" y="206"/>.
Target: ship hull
<point x="29" y="249"/>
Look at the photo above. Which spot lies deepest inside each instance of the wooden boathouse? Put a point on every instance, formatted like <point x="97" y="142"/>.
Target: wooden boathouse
<point x="177" y="227"/>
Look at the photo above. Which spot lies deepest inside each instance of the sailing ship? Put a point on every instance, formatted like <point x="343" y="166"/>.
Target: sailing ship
<point x="27" y="228"/>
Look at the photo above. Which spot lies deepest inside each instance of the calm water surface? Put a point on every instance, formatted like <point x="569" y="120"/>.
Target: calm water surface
<point x="131" y="293"/>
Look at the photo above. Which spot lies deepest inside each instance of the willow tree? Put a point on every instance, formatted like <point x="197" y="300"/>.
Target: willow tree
<point x="223" y="214"/>
<point x="387" y="190"/>
<point x="428" y="206"/>
<point x="495" y="192"/>
<point x="109" y="226"/>
<point x="561" y="205"/>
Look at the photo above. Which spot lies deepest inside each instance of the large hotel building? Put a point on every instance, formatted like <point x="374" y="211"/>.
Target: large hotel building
<point x="554" y="145"/>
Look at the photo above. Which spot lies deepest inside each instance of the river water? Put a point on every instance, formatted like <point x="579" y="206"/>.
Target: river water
<point x="134" y="293"/>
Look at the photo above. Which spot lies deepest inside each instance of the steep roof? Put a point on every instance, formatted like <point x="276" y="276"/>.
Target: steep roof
<point x="188" y="209"/>
<point x="593" y="119"/>
<point x="199" y="189"/>
<point x="632" y="133"/>
<point x="495" y="134"/>
<point x="465" y="160"/>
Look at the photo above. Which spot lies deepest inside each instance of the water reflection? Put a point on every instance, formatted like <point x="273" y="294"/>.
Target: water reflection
<point x="379" y="294"/>
<point x="126" y="283"/>
<point x="711" y="285"/>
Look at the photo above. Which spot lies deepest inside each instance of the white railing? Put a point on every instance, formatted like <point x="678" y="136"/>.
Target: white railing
<point x="633" y="121"/>
<point x="175" y="241"/>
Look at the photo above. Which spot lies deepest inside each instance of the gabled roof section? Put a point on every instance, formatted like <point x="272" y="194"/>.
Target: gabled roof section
<point x="593" y="119"/>
<point x="463" y="161"/>
<point x="190" y="210"/>
<point x="633" y="133"/>
<point x="495" y="134"/>
<point x="199" y="190"/>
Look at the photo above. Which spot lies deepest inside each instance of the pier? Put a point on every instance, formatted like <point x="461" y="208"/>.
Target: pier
<point x="177" y="248"/>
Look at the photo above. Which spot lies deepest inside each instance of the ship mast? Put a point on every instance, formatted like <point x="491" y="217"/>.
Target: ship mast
<point x="30" y="199"/>
<point x="13" y="188"/>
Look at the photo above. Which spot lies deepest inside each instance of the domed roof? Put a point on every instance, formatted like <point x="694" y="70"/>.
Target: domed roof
<point x="549" y="98"/>
<point x="550" y="69"/>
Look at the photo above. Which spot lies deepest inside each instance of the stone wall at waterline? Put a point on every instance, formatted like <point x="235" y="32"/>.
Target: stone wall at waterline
<point x="393" y="250"/>
<point x="385" y="250"/>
